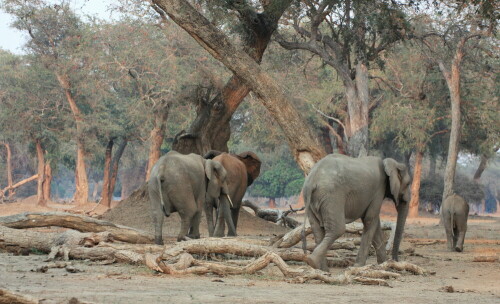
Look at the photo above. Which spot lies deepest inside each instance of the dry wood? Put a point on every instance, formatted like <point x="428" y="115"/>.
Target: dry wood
<point x="274" y="215"/>
<point x="7" y="297"/>
<point x="77" y="222"/>
<point x="18" y="184"/>
<point x="486" y="258"/>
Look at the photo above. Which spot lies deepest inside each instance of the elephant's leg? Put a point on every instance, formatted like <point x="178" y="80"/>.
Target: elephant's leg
<point x="455" y="237"/>
<point x="194" y="230"/>
<point x="334" y="227"/>
<point x="318" y="231"/>
<point x="157" y="216"/>
<point x="209" y="213"/>
<point x="220" y="224"/>
<point x="461" y="223"/>
<point x="235" y="213"/>
<point x="448" y="229"/>
<point x="369" y="229"/>
<point x="379" y="244"/>
<point x="186" y="214"/>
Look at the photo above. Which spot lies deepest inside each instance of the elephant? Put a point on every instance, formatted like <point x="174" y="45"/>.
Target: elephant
<point x="340" y="189"/>
<point x="182" y="183"/>
<point x="455" y="212"/>
<point x="242" y="169"/>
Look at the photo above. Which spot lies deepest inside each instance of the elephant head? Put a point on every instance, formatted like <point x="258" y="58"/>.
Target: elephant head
<point x="399" y="191"/>
<point x="252" y="163"/>
<point x="217" y="183"/>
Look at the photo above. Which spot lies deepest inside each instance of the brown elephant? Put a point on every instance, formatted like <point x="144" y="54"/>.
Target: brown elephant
<point x="242" y="169"/>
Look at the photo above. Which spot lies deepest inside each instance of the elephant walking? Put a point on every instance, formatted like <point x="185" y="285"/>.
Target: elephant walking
<point x="181" y="183"/>
<point x="341" y="189"/>
<point x="455" y="212"/>
<point x="242" y="169"/>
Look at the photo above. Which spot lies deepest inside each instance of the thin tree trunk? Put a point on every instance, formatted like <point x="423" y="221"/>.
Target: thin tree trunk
<point x="453" y="83"/>
<point x="211" y="128"/>
<point x="18" y="184"/>
<point x="48" y="181"/>
<point x="415" y="186"/>
<point x="156" y="136"/>
<point x="105" y="200"/>
<point x="481" y="168"/>
<point x="41" y="174"/>
<point x="9" y="168"/>
<point x="358" y="100"/>
<point x="114" y="167"/>
<point x="303" y="143"/>
<point x="432" y="167"/>
<point x="81" y="181"/>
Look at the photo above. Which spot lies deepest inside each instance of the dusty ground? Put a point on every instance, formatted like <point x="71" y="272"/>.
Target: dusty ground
<point x="472" y="281"/>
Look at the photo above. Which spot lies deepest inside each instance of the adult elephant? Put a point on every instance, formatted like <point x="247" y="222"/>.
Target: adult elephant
<point x="181" y="183"/>
<point x="455" y="212"/>
<point x="242" y="169"/>
<point x="341" y="189"/>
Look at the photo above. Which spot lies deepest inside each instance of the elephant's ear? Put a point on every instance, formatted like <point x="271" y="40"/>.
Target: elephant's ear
<point x="216" y="175"/>
<point x="211" y="154"/>
<point x="394" y="170"/>
<point x="252" y="163"/>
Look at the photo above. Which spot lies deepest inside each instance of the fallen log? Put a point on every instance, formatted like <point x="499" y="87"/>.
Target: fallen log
<point x="18" y="184"/>
<point x="274" y="215"/>
<point x="7" y="297"/>
<point x="78" y="222"/>
<point x="486" y="258"/>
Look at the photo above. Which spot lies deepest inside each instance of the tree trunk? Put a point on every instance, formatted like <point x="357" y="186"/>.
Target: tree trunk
<point x="211" y="129"/>
<point x="481" y="168"/>
<point x="105" y="200"/>
<point x="303" y="143"/>
<point x="114" y="168"/>
<point x="432" y="167"/>
<point x="81" y="181"/>
<point x="41" y="174"/>
<point x="326" y="139"/>
<point x="453" y="83"/>
<point x="18" y="184"/>
<point x="415" y="186"/>
<point x="9" y="168"/>
<point x="157" y="135"/>
<point x="48" y="181"/>
<point x="358" y="99"/>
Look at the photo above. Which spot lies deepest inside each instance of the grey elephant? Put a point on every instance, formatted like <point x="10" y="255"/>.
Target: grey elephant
<point x="455" y="212"/>
<point x="181" y="183"/>
<point x="341" y="189"/>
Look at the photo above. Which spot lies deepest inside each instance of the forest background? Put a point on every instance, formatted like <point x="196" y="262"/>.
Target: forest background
<point x="92" y="103"/>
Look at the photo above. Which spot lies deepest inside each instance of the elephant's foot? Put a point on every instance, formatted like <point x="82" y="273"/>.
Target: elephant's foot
<point x="458" y="249"/>
<point x="158" y="241"/>
<point x="317" y="263"/>
<point x="183" y="238"/>
<point x="193" y="236"/>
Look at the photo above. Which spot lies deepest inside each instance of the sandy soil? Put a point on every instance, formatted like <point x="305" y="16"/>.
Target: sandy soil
<point x="423" y="245"/>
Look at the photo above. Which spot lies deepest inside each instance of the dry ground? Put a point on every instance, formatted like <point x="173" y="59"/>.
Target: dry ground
<point x="423" y="245"/>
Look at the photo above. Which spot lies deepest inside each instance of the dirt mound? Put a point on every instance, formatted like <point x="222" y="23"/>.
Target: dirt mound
<point x="135" y="212"/>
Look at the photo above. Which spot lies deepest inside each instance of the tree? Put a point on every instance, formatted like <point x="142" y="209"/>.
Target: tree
<point x="56" y="36"/>
<point x="348" y="36"/>
<point x="302" y="142"/>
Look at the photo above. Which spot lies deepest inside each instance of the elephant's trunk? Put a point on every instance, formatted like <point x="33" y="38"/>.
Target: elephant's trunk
<point x="402" y="209"/>
<point x="225" y="211"/>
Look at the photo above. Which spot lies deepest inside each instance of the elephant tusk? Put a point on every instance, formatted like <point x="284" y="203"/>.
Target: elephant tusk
<point x="230" y="201"/>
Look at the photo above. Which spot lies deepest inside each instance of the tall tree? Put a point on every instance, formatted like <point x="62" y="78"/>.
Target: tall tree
<point x="302" y="142"/>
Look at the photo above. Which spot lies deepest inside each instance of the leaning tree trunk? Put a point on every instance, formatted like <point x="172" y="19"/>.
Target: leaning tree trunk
<point x="157" y="134"/>
<point x="105" y="201"/>
<point x="481" y="168"/>
<point x="211" y="128"/>
<point x="358" y="99"/>
<point x="9" y="168"/>
<point x="415" y="186"/>
<point x="41" y="174"/>
<point x="114" y="168"/>
<point x="302" y="141"/>
<point x="453" y="83"/>
<point x="48" y="181"/>
<point x="81" y="181"/>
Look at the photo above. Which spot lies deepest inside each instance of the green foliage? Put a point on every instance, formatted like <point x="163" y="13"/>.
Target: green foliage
<point x="431" y="189"/>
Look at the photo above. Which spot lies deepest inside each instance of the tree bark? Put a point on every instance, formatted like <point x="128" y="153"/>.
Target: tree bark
<point x="211" y="128"/>
<point x="114" y="167"/>
<point x="48" y="181"/>
<point x="105" y="199"/>
<point x="156" y="136"/>
<point x="9" y="168"/>
<point x="81" y="181"/>
<point x="481" y="168"/>
<point x="77" y="222"/>
<point x="302" y="141"/>
<point x="453" y="83"/>
<point x="415" y="186"/>
<point x="432" y="167"/>
<point x="41" y="174"/>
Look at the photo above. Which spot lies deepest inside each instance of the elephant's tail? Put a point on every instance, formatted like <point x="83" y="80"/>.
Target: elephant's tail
<point x="165" y="211"/>
<point x="452" y="222"/>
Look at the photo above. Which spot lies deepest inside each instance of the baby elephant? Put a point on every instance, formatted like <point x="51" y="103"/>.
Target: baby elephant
<point x="455" y="212"/>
